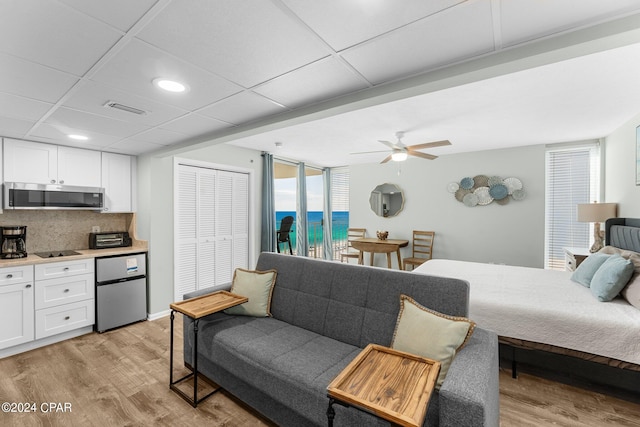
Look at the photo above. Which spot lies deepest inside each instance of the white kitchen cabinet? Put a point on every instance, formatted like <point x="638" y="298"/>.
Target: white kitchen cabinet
<point x="64" y="296"/>
<point x="34" y="162"/>
<point x="16" y="306"/>
<point x="77" y="166"/>
<point x="118" y="180"/>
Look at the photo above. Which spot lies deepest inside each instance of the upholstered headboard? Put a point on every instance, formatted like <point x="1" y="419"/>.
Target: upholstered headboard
<point x="623" y="233"/>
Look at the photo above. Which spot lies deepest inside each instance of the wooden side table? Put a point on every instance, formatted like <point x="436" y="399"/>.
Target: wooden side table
<point x="574" y="256"/>
<point x="387" y="383"/>
<point x="195" y="309"/>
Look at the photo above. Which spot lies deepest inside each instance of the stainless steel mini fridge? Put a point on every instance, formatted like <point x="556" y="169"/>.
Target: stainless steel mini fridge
<point x="121" y="290"/>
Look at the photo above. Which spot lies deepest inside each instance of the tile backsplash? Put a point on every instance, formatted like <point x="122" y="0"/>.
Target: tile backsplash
<point x="49" y="230"/>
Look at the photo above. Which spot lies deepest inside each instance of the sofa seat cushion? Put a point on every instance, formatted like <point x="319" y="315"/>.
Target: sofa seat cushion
<point x="290" y="364"/>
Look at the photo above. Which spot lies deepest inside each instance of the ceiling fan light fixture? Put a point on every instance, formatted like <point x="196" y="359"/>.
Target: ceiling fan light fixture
<point x="399" y="156"/>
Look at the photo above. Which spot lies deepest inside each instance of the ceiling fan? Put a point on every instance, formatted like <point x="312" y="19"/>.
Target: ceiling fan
<point x="400" y="152"/>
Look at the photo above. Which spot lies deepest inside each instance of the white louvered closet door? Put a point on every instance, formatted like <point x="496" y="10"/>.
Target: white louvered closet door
<point x="212" y="227"/>
<point x="186" y="275"/>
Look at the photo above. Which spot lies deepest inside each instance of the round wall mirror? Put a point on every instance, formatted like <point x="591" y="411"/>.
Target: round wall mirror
<point x="386" y="200"/>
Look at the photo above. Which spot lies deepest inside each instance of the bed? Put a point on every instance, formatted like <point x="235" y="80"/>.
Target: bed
<point x="543" y="310"/>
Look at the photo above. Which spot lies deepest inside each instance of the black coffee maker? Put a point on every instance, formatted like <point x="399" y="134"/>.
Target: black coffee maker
<point x="13" y="241"/>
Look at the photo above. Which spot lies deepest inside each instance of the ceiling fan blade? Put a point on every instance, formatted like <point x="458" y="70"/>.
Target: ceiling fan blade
<point x="386" y="159"/>
<point x="429" y="145"/>
<point x="370" y="152"/>
<point x="391" y="145"/>
<point x="422" y="155"/>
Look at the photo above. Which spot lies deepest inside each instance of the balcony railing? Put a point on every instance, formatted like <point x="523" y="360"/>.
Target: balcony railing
<point x="315" y="239"/>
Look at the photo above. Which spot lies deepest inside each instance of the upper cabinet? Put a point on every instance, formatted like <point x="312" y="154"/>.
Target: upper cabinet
<point x="34" y="162"/>
<point x="118" y="180"/>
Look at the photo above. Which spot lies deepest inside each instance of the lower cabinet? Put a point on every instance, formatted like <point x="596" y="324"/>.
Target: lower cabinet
<point x="16" y="306"/>
<point x="45" y="300"/>
<point x="66" y="301"/>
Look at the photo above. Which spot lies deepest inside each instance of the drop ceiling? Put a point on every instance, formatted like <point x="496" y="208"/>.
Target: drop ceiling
<point x="323" y="78"/>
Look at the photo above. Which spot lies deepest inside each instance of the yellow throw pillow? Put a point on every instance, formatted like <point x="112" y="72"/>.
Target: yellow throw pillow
<point x="430" y="334"/>
<point x="258" y="287"/>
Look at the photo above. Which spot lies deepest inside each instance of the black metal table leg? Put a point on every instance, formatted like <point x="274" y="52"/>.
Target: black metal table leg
<point x="171" y="351"/>
<point x="331" y="413"/>
<point x="195" y="363"/>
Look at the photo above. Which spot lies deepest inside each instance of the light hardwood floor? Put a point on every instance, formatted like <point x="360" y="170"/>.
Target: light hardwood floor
<point x="120" y="378"/>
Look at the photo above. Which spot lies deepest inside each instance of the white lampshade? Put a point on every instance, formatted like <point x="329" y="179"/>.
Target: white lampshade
<point x="399" y="156"/>
<point x="596" y="212"/>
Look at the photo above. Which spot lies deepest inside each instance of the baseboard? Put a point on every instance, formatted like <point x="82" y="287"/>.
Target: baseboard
<point x="158" y="315"/>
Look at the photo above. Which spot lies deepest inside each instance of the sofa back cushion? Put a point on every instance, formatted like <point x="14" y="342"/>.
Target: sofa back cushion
<point x="354" y="304"/>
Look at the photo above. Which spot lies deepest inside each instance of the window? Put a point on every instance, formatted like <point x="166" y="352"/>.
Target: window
<point x="339" y="209"/>
<point x="572" y="177"/>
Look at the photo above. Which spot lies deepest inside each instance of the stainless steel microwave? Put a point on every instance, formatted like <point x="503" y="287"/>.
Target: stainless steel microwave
<point x="21" y="195"/>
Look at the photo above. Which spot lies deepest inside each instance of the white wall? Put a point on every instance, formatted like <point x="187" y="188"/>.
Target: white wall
<point x="510" y="234"/>
<point x="155" y="215"/>
<point x="620" y="170"/>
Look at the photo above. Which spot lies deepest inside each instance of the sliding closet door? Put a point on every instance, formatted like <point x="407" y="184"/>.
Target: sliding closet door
<point x="212" y="222"/>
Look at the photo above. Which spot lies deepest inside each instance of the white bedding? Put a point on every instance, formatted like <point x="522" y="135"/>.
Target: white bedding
<point x="544" y="306"/>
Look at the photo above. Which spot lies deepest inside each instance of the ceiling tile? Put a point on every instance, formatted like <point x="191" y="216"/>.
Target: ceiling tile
<point x="132" y="147"/>
<point x="22" y="108"/>
<point x="92" y="97"/>
<point x="442" y="39"/>
<point x="524" y="20"/>
<point x="346" y="23"/>
<point x="70" y="42"/>
<point x="121" y="14"/>
<point x="230" y="38"/>
<point x="329" y="76"/>
<point x="193" y="125"/>
<point x="15" y="128"/>
<point x="242" y="107"/>
<point x="24" y="78"/>
<point x="57" y="134"/>
<point x="160" y="136"/>
<point x="137" y="64"/>
<point x="68" y="120"/>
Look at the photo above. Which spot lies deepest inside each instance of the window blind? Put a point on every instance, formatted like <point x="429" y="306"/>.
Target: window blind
<point x="572" y="177"/>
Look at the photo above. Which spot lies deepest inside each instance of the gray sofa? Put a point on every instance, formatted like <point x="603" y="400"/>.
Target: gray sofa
<point x="324" y="313"/>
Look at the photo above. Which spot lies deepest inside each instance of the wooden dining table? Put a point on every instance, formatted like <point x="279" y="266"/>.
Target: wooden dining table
<point x="377" y="246"/>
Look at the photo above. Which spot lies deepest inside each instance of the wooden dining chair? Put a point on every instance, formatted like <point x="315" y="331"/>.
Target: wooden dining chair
<point x="422" y="248"/>
<point x="352" y="233"/>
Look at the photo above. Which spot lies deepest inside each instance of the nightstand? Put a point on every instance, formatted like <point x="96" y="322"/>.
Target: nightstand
<point x="574" y="256"/>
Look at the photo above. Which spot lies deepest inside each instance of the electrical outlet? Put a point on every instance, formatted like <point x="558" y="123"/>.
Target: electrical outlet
<point x="95" y="229"/>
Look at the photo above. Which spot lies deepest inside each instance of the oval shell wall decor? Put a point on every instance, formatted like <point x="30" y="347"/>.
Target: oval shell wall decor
<point x="481" y="190"/>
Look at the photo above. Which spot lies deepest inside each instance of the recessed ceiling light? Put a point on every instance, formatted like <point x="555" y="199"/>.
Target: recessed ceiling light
<point x="78" y="137"/>
<point x="170" y="85"/>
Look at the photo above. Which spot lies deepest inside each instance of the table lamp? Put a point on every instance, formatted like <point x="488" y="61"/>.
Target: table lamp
<point x="596" y="213"/>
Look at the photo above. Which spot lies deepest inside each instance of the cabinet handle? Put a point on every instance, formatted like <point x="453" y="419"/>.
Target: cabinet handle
<point x="53" y="181"/>
<point x="67" y="317"/>
<point x="66" y="269"/>
<point x="28" y="286"/>
<point x="9" y="276"/>
<point x="66" y="290"/>
<point x="62" y="181"/>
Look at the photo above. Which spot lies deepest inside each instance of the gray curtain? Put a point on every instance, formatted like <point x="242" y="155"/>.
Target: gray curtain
<point x="327" y="232"/>
<point x="302" y="229"/>
<point x="268" y="240"/>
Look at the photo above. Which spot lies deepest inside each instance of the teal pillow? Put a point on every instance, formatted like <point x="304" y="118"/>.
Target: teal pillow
<point x="611" y="277"/>
<point x="587" y="268"/>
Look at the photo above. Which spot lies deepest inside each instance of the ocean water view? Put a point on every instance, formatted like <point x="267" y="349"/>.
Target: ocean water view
<point x="339" y="226"/>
